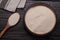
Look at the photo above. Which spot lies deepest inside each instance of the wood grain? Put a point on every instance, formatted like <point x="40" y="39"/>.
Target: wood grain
<point x="19" y="33"/>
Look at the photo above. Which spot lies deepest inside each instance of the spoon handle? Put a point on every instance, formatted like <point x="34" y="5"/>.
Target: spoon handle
<point x="4" y="30"/>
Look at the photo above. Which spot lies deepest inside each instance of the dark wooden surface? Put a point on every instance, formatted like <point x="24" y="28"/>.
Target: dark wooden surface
<point x="18" y="32"/>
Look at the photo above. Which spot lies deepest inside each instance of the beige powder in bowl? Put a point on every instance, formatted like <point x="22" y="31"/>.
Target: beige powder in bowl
<point x="40" y="19"/>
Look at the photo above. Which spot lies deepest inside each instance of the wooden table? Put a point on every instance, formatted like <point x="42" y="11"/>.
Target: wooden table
<point x="19" y="32"/>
